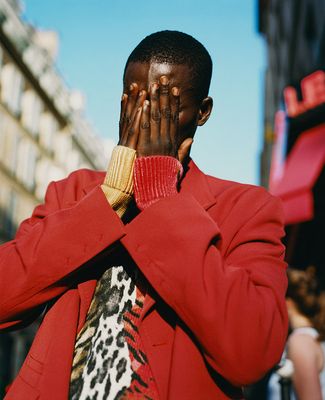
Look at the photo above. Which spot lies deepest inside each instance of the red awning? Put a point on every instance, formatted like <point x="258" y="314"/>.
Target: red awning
<point x="302" y="168"/>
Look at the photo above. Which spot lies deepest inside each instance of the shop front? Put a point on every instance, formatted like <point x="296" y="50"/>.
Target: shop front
<point x="297" y="173"/>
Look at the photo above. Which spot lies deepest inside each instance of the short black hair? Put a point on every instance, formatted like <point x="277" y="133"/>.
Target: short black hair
<point x="178" y="48"/>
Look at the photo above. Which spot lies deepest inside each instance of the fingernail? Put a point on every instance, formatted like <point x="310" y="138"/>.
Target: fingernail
<point x="123" y="97"/>
<point x="146" y="103"/>
<point x="175" y="91"/>
<point x="164" y="80"/>
<point x="131" y="87"/>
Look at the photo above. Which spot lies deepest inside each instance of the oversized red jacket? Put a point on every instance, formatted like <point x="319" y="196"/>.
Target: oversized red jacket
<point x="212" y="254"/>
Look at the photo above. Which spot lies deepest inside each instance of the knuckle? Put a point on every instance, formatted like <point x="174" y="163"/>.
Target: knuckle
<point x="165" y="112"/>
<point x="131" y="131"/>
<point x="126" y="119"/>
<point x="145" y="125"/>
<point x="156" y="116"/>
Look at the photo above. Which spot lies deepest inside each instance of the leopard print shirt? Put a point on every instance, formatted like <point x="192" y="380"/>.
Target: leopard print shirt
<point x="109" y="361"/>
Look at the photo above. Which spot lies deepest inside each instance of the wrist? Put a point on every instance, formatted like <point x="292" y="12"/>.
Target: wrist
<point x="119" y="174"/>
<point x="155" y="177"/>
<point x="118" y="200"/>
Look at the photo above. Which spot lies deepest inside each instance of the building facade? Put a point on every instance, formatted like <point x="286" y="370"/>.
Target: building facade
<point x="43" y="137"/>
<point x="293" y="157"/>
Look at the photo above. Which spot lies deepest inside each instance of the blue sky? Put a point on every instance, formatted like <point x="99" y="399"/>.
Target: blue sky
<point x="96" y="37"/>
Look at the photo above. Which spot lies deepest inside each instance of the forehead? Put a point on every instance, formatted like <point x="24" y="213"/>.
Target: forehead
<point x="144" y="74"/>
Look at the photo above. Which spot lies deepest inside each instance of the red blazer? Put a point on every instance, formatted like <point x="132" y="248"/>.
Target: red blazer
<point x="212" y="254"/>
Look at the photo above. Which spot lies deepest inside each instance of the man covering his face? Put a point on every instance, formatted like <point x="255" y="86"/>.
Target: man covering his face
<point x="159" y="282"/>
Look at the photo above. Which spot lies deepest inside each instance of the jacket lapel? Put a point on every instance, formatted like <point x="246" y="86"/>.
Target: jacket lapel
<point x="195" y="183"/>
<point x="86" y="291"/>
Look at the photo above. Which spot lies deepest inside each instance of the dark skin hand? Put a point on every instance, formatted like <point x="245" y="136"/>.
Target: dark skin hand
<point x="151" y="127"/>
<point x="159" y="110"/>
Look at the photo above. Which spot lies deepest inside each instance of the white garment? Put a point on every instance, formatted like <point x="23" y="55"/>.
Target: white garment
<point x="274" y="389"/>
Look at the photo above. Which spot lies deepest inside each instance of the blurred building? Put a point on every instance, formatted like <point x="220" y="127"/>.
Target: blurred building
<point x="292" y="162"/>
<point x="43" y="137"/>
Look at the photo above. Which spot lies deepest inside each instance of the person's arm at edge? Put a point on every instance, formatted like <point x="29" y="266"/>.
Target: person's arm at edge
<point x="302" y="352"/>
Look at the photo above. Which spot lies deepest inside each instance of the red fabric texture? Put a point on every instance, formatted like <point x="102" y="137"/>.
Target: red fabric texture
<point x="215" y="317"/>
<point x="155" y="177"/>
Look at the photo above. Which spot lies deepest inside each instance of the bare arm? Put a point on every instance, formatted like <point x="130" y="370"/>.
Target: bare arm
<point x="302" y="351"/>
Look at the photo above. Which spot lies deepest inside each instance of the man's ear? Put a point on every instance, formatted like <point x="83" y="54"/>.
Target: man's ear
<point x="205" y="110"/>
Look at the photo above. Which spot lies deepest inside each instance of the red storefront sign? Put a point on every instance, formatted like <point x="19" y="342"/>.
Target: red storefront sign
<point x="313" y="94"/>
<point x="293" y="178"/>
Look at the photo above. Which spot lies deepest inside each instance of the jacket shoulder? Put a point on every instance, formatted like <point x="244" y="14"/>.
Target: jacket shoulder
<point x="243" y="200"/>
<point x="231" y="189"/>
<point x="77" y="184"/>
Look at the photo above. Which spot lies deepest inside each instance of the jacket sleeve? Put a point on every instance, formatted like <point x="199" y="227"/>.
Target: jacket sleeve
<point x="232" y="300"/>
<point x="49" y="246"/>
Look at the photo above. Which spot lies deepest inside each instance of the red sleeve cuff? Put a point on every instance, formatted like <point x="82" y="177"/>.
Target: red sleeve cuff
<point x="155" y="177"/>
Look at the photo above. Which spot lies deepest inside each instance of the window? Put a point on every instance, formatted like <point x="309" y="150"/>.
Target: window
<point x="26" y="162"/>
<point x="47" y="129"/>
<point x="31" y="111"/>
<point x="73" y="160"/>
<point x="62" y="147"/>
<point x="46" y="172"/>
<point x="9" y="142"/>
<point x="11" y="87"/>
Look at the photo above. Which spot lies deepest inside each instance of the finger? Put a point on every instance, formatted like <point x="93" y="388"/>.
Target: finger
<point x="133" y="131"/>
<point x="164" y="107"/>
<point x="123" y="106"/>
<point x="122" y="114"/>
<point x="144" y="131"/>
<point x="139" y="103"/>
<point x="174" y="113"/>
<point x="184" y="149"/>
<point x="132" y="98"/>
<point x="154" y="112"/>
